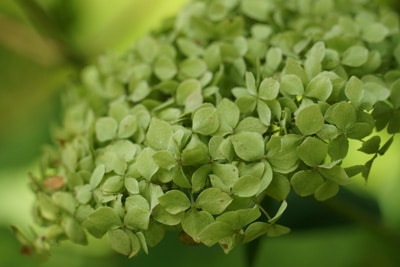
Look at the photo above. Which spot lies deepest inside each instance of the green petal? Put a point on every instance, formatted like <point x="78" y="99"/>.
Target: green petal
<point x="248" y="146"/>
<point x="174" y="201"/>
<point x="310" y="120"/>
<point x="305" y="183"/>
<point x="312" y="151"/>
<point x="205" y="120"/>
<point x="355" y="56"/>
<point x="213" y="200"/>
<point x="101" y="220"/>
<point x="106" y="128"/>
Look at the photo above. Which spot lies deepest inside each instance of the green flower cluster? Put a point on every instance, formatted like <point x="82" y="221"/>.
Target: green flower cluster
<point x="231" y="103"/>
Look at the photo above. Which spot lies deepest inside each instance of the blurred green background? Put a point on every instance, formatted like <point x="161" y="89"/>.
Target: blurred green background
<point x="43" y="43"/>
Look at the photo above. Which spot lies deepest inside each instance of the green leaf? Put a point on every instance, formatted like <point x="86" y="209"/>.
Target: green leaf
<point x="320" y="87"/>
<point x="106" y="128"/>
<point x="213" y="200"/>
<point x="355" y="56"/>
<point x="327" y="190"/>
<point x="101" y="220"/>
<point x="305" y="183"/>
<point x="174" y="201"/>
<point x="195" y="222"/>
<point x="268" y="89"/>
<point x="291" y="85"/>
<point x="248" y="146"/>
<point x="192" y="67"/>
<point x="246" y="186"/>
<point x="338" y="147"/>
<point x="205" y="120"/>
<point x="312" y="151"/>
<point x="214" y="232"/>
<point x="165" y="68"/>
<point x="310" y="120"/>
<point x="279" y="187"/>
